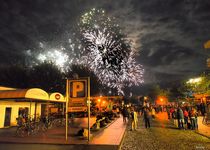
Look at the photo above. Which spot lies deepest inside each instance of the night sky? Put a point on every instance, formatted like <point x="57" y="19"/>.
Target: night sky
<point x="169" y="34"/>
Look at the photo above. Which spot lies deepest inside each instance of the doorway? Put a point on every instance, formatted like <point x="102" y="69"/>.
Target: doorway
<point x="7" y="119"/>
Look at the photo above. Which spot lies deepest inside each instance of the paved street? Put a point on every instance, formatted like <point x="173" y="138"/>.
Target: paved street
<point x="163" y="136"/>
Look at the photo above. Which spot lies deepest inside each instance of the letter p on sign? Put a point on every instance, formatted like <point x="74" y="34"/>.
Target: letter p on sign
<point x="78" y="89"/>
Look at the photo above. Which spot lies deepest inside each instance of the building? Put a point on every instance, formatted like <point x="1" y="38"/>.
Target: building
<point x="24" y="102"/>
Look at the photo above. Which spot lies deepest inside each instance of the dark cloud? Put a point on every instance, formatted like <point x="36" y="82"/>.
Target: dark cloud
<point x="169" y="34"/>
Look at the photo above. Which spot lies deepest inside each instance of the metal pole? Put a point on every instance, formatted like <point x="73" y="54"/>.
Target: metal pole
<point x="63" y="111"/>
<point x="30" y="111"/>
<point x="35" y="111"/>
<point x="67" y="100"/>
<point x="88" y="108"/>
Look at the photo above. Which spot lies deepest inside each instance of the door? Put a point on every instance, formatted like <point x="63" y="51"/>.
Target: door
<point x="7" y="118"/>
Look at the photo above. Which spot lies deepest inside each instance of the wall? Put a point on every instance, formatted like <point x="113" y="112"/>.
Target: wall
<point x="15" y="108"/>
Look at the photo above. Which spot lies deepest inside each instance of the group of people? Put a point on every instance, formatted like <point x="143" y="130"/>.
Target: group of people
<point x="131" y="114"/>
<point x="183" y="117"/>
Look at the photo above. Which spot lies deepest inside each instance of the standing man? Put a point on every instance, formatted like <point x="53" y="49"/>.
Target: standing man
<point x="146" y="117"/>
<point x="125" y="114"/>
<point x="180" y="117"/>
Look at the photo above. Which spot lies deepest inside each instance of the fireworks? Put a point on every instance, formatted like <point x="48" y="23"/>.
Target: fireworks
<point x="55" y="56"/>
<point x="101" y="47"/>
<point x="108" y="54"/>
<point x="104" y="49"/>
<point x="60" y="56"/>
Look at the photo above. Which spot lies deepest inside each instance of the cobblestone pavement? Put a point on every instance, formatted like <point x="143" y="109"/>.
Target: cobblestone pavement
<point x="163" y="136"/>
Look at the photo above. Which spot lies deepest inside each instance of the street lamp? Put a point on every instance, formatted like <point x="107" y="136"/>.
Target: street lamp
<point x="99" y="100"/>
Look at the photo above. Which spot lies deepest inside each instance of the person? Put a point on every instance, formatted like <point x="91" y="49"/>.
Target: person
<point x="186" y="115"/>
<point x="193" y="118"/>
<point x="134" y="118"/>
<point x="125" y="114"/>
<point x="146" y="117"/>
<point x="180" y="117"/>
<point x="203" y="110"/>
<point x="168" y="112"/>
<point x="153" y="112"/>
<point x="171" y="112"/>
<point x="174" y="116"/>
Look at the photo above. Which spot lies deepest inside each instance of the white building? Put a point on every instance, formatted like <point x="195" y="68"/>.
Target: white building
<point x="30" y="102"/>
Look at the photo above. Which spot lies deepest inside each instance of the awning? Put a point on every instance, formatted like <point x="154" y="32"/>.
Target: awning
<point x="6" y="88"/>
<point x="57" y="97"/>
<point x="34" y="93"/>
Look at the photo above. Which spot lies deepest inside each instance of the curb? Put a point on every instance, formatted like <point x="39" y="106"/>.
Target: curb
<point x="202" y="134"/>
<point x="102" y="129"/>
<point x="85" y="142"/>
<point x="120" y="146"/>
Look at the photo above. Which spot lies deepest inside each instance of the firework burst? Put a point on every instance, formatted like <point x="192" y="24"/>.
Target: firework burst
<point x="108" y="54"/>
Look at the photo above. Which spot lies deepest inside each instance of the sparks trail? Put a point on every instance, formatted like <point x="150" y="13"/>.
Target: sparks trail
<point x="108" y="54"/>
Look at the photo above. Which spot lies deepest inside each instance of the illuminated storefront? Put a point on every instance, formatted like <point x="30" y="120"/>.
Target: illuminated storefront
<point x="24" y="102"/>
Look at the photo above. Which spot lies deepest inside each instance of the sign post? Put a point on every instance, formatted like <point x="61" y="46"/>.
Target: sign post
<point x="78" y="98"/>
<point x="67" y="101"/>
<point x="88" y="108"/>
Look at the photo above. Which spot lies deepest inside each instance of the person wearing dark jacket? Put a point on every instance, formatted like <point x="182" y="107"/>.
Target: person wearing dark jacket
<point x="125" y="114"/>
<point x="146" y="117"/>
<point x="180" y="117"/>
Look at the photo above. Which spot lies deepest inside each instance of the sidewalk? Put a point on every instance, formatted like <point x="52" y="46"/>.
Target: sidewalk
<point x="110" y="135"/>
<point x="203" y="129"/>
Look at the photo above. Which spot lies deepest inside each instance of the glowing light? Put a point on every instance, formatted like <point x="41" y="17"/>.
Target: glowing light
<point x="41" y="45"/>
<point x="55" y="56"/>
<point x="194" y="80"/>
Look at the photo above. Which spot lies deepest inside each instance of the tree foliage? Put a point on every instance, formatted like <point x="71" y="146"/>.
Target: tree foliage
<point x="82" y="71"/>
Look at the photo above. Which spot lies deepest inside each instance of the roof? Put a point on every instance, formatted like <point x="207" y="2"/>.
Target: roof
<point x="57" y="97"/>
<point x="6" y="88"/>
<point x="34" y="93"/>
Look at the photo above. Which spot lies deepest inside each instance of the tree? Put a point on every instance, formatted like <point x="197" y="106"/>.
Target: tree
<point x="48" y="77"/>
<point x="202" y="86"/>
<point x="14" y="76"/>
<point x="82" y="71"/>
<point x="177" y="91"/>
<point x="154" y="92"/>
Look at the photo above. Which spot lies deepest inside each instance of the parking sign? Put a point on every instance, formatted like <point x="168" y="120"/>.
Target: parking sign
<point x="78" y="93"/>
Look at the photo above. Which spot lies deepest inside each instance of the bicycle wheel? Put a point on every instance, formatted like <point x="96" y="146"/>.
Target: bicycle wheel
<point x="21" y="132"/>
